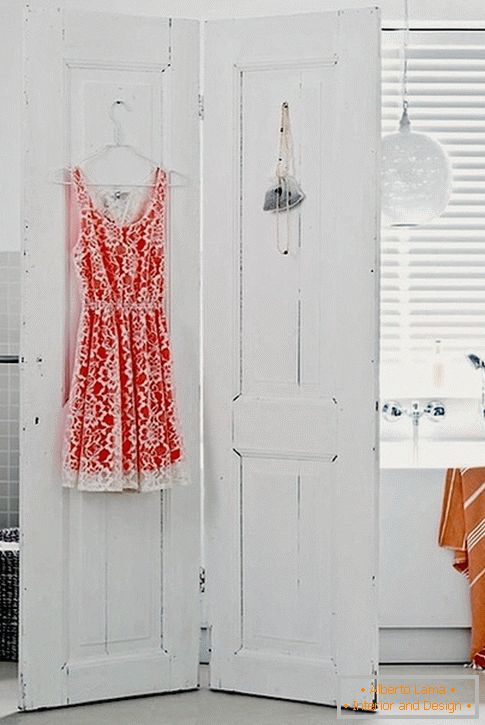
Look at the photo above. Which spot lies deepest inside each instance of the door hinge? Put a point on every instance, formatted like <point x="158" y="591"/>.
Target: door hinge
<point x="202" y="580"/>
<point x="201" y="106"/>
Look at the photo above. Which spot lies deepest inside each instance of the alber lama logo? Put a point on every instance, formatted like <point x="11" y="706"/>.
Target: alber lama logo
<point x="457" y="696"/>
<point x="410" y="690"/>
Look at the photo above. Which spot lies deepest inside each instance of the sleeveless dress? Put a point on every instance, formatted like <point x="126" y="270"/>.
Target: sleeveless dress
<point x="121" y="429"/>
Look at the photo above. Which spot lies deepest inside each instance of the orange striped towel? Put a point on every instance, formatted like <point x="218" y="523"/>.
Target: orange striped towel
<point x="462" y="528"/>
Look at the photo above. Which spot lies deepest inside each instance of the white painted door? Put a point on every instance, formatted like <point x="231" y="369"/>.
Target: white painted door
<point x="291" y="355"/>
<point x="109" y="603"/>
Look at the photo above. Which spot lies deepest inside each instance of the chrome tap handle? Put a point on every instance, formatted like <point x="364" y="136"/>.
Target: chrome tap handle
<point x="435" y="410"/>
<point x="392" y="410"/>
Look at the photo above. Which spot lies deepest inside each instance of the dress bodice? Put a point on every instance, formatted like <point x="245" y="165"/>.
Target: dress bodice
<point x="121" y="264"/>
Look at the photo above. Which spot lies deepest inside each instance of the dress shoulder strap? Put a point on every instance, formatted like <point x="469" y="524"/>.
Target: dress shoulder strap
<point x="80" y="187"/>
<point x="160" y="190"/>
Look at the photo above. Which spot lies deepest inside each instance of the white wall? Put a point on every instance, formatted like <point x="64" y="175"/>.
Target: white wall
<point x="416" y="571"/>
<point x="420" y="10"/>
<point x="424" y="608"/>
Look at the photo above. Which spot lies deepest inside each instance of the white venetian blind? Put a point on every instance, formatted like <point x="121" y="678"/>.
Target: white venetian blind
<point x="433" y="277"/>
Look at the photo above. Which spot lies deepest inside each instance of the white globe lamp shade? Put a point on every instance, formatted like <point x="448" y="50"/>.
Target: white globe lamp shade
<point x="416" y="177"/>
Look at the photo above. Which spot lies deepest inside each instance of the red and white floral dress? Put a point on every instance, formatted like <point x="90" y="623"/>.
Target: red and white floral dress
<point x="121" y="428"/>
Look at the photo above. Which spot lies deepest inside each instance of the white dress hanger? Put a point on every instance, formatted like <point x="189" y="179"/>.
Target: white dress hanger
<point x="62" y="176"/>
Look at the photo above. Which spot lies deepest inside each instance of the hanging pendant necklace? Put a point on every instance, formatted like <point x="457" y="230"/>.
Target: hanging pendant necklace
<point x="286" y="193"/>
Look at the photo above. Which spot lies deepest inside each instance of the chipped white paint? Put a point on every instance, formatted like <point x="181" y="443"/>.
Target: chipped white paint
<point x="110" y="584"/>
<point x="291" y="355"/>
<point x="109" y="604"/>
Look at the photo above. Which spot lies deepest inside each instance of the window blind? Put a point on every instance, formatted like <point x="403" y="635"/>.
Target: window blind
<point x="433" y="277"/>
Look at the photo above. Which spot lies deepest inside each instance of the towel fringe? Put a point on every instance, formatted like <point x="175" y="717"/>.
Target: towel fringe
<point x="473" y="665"/>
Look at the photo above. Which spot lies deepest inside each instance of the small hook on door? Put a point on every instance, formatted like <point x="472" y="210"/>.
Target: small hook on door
<point x="116" y="122"/>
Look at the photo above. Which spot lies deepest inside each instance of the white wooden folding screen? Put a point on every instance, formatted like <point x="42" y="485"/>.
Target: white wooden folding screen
<point x="291" y="355"/>
<point x="109" y="581"/>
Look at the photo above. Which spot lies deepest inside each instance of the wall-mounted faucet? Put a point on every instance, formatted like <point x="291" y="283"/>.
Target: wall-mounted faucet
<point x="434" y="410"/>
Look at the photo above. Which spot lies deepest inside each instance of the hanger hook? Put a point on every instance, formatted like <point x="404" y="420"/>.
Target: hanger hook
<point x="116" y="122"/>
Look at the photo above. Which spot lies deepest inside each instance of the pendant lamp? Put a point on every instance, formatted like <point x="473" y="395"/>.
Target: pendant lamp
<point x="416" y="170"/>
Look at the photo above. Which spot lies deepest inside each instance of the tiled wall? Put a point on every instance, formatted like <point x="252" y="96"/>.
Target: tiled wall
<point x="9" y="388"/>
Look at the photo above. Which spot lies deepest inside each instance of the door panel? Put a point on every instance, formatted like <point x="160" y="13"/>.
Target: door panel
<point x="109" y="582"/>
<point x="286" y="616"/>
<point x="291" y="355"/>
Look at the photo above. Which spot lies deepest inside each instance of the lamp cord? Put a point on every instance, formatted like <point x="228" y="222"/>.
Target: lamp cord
<point x="405" y="57"/>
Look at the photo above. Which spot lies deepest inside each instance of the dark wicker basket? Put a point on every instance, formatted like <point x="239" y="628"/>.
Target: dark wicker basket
<point x="9" y="597"/>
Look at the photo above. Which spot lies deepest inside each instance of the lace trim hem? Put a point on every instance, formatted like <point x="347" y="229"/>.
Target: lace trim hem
<point x="137" y="481"/>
